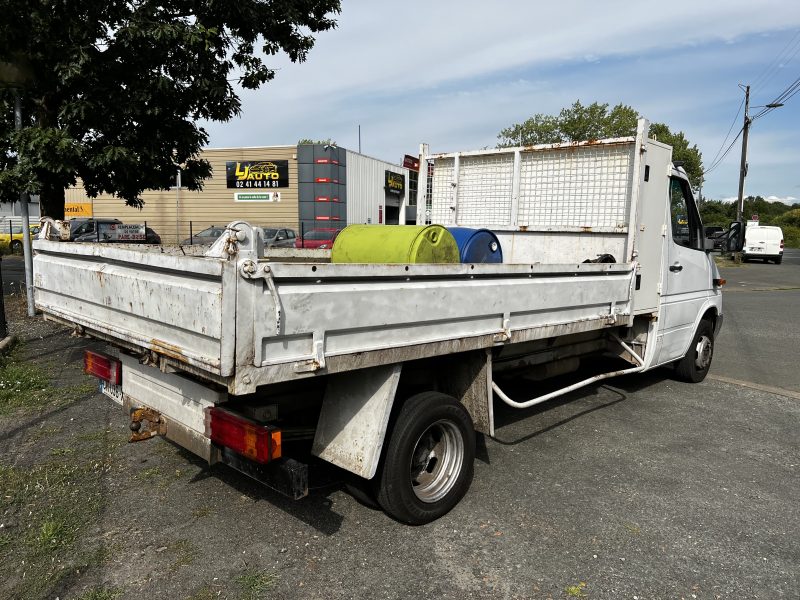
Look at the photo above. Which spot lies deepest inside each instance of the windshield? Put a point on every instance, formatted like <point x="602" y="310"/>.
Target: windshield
<point x="317" y="234"/>
<point x="270" y="232"/>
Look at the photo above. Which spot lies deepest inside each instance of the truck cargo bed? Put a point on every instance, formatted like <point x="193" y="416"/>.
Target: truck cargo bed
<point x="276" y="321"/>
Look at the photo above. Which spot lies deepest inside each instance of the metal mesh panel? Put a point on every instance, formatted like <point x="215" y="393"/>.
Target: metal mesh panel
<point x="484" y="189"/>
<point x="567" y="188"/>
<point x="442" y="193"/>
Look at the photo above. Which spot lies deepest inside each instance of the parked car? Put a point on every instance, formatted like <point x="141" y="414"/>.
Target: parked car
<point x="12" y="240"/>
<point x="764" y="242"/>
<point x="150" y="237"/>
<point x="81" y="227"/>
<point x="205" y="237"/>
<point x="279" y="238"/>
<point x="317" y="238"/>
<point x="713" y="230"/>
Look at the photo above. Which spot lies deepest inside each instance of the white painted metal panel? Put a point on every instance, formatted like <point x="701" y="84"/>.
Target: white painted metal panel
<point x="175" y="396"/>
<point x="355" y="414"/>
<point x="172" y="305"/>
<point x="361" y="308"/>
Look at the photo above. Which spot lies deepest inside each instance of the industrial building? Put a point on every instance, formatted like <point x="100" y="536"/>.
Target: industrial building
<point x="303" y="187"/>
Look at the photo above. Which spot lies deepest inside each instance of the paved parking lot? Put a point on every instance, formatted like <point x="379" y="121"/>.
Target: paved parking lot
<point x="640" y="488"/>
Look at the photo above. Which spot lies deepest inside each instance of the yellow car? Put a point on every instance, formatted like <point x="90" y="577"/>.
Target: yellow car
<point x="12" y="240"/>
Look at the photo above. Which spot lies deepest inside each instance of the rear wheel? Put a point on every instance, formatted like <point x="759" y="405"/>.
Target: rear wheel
<point x="695" y="365"/>
<point x="16" y="247"/>
<point x="428" y="465"/>
<point x="779" y="260"/>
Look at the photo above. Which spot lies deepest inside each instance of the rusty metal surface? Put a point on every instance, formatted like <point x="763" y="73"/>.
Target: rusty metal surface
<point x="146" y="423"/>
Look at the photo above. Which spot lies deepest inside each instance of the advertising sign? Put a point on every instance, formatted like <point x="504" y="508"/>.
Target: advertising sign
<point x="122" y="232"/>
<point x="395" y="183"/>
<point x="257" y="197"/>
<point x="257" y="174"/>
<point x="77" y="209"/>
<point x="411" y="162"/>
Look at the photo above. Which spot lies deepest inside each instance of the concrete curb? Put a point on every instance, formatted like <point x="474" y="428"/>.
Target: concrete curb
<point x="7" y="342"/>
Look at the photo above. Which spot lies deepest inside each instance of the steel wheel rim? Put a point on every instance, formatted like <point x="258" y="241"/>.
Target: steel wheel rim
<point x="436" y="461"/>
<point x="703" y="349"/>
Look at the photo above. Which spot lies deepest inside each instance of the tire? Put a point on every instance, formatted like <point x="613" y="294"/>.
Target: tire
<point x="694" y="367"/>
<point x="16" y="247"/>
<point x="429" y="461"/>
<point x="779" y="260"/>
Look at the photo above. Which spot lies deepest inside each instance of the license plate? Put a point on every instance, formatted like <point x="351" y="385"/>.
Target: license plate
<point x="111" y="390"/>
<point x="754" y="250"/>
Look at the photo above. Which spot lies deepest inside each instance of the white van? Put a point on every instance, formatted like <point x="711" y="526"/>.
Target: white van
<point x="764" y="242"/>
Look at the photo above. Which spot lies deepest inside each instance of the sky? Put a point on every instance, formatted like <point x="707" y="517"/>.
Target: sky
<point x="453" y="74"/>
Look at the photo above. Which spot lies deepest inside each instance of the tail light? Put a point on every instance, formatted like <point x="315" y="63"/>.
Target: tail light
<point x="102" y="366"/>
<point x="261" y="443"/>
<point x="781" y="244"/>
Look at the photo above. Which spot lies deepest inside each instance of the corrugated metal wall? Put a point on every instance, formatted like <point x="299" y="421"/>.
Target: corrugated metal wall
<point x="366" y="196"/>
<point x="215" y="205"/>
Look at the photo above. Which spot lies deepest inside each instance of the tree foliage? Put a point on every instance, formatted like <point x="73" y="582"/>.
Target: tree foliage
<point x="593" y="122"/>
<point x="325" y="142"/>
<point x="717" y="212"/>
<point x="114" y="89"/>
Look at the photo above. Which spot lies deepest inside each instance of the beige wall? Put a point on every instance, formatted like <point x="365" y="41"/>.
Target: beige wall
<point x="215" y="205"/>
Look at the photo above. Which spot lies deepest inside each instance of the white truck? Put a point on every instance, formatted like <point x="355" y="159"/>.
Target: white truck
<point x="388" y="370"/>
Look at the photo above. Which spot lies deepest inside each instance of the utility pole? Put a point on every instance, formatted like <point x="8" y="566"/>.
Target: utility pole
<point x="743" y="166"/>
<point x="26" y="225"/>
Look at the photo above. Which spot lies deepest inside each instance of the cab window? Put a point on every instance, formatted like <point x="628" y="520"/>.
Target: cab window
<point x="686" y="226"/>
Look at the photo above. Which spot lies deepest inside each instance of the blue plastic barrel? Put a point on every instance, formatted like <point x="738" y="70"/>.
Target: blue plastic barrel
<point x="477" y="245"/>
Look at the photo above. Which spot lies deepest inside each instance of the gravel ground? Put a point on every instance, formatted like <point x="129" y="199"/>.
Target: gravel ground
<point x="643" y="489"/>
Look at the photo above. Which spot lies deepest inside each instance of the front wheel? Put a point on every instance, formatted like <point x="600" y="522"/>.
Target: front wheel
<point x="695" y="365"/>
<point x="16" y="247"/>
<point x="428" y="465"/>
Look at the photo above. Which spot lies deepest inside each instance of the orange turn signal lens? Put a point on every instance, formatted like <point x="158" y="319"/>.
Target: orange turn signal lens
<point x="719" y="282"/>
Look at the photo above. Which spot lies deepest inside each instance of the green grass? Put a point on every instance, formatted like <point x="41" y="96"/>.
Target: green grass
<point x="254" y="584"/>
<point x="25" y="386"/>
<point x="100" y="593"/>
<point x="184" y="553"/>
<point x="576" y="591"/>
<point x="48" y="510"/>
<point x="22" y="386"/>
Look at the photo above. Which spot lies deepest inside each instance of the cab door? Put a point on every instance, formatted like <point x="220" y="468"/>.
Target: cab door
<point x="687" y="275"/>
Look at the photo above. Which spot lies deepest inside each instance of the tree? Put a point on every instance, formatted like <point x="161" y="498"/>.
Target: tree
<point x="596" y="121"/>
<point x="325" y="142"/>
<point x="115" y="88"/>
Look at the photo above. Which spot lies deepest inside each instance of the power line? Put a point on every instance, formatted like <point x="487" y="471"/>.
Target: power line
<point x="722" y="145"/>
<point x="718" y="162"/>
<point x="771" y="69"/>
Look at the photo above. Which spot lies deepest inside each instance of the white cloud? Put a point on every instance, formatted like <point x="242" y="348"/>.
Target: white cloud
<point x="454" y="74"/>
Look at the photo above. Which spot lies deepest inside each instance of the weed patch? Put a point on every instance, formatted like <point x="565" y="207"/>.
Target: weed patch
<point x="22" y="386"/>
<point x="47" y="511"/>
<point x="254" y="584"/>
<point x="100" y="593"/>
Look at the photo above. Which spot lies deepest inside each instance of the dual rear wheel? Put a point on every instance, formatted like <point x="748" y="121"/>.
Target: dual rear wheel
<point x="428" y="462"/>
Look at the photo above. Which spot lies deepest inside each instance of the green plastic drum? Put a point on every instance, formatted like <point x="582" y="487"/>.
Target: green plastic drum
<point x="395" y="244"/>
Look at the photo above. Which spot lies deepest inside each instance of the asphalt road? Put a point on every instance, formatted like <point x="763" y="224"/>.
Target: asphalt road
<point x="13" y="273"/>
<point x="759" y="339"/>
<point x="643" y="488"/>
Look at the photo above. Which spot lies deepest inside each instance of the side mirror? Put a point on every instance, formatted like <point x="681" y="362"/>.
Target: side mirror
<point x="708" y="244"/>
<point x="734" y="241"/>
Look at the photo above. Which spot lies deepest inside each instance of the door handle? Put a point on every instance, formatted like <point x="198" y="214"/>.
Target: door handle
<point x="676" y="267"/>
